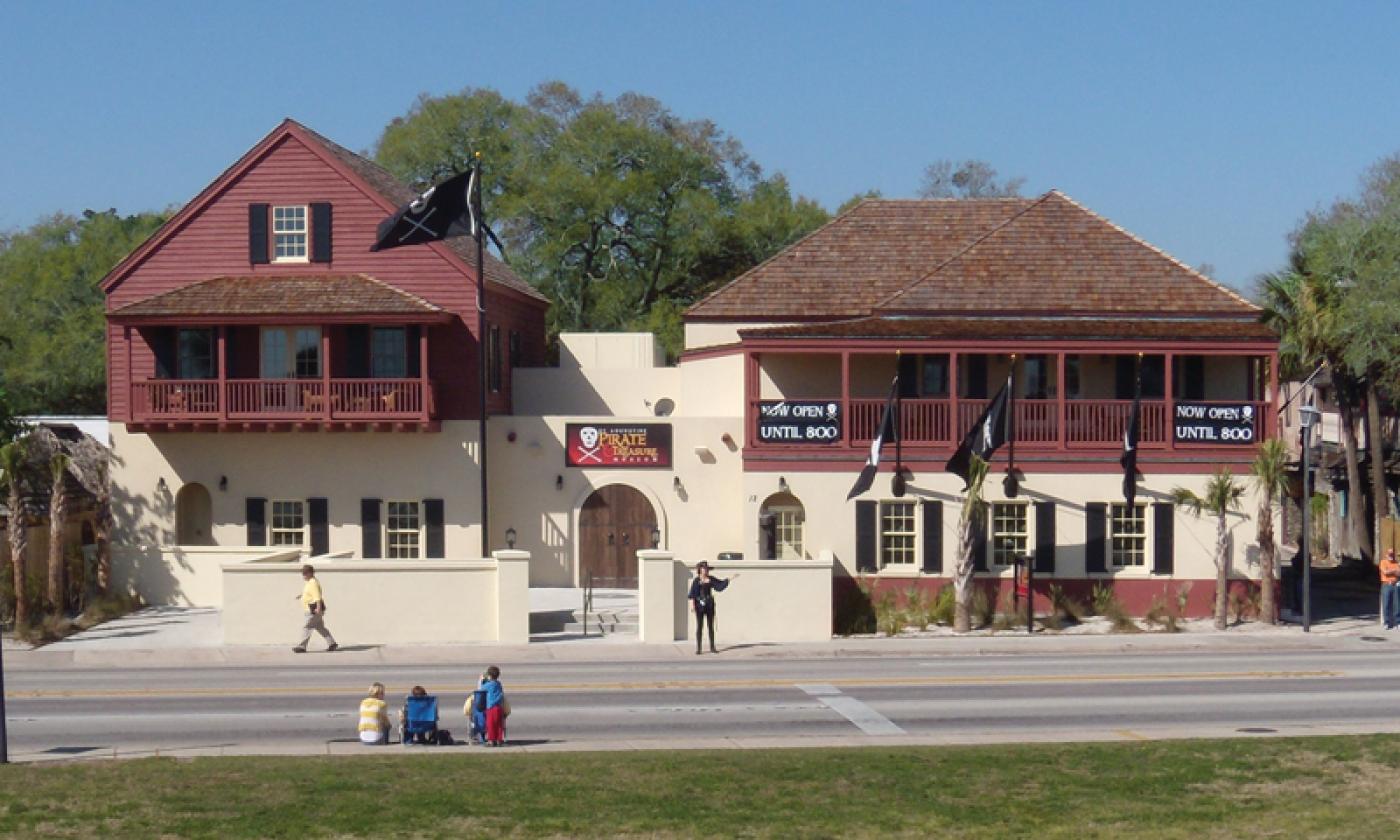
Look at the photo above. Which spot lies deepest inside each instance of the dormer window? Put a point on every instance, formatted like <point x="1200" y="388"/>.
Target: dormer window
<point x="289" y="234"/>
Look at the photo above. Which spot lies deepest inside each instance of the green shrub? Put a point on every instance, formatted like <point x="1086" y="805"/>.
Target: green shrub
<point x="1101" y="598"/>
<point x="917" y="607"/>
<point x="944" y="606"/>
<point x="1162" y="613"/>
<point x="1063" y="608"/>
<point x="1108" y="605"/>
<point x="982" y="610"/>
<point x="889" y="618"/>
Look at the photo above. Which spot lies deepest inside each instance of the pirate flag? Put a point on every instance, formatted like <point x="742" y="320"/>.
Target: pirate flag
<point x="1130" y="447"/>
<point x="990" y="431"/>
<point x="886" y="432"/>
<point x="448" y="209"/>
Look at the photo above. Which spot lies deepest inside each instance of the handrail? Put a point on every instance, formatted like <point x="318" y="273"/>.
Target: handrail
<point x="588" y="603"/>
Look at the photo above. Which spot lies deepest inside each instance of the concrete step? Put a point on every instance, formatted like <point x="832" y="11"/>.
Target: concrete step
<point x="606" y="628"/>
<point x="567" y="621"/>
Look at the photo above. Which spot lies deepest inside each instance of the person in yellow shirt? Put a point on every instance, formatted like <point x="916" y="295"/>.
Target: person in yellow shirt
<point x="1390" y="590"/>
<point x="314" y="603"/>
<point x="374" y="717"/>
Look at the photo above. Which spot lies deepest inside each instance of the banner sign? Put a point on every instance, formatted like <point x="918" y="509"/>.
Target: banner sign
<point x="799" y="421"/>
<point x="613" y="445"/>
<point x="1231" y="423"/>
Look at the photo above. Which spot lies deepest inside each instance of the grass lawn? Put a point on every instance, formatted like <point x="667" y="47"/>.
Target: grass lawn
<point x="1315" y="787"/>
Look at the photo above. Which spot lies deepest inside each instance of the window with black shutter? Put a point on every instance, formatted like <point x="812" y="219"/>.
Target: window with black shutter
<point x="434" y="545"/>
<point x="980" y="527"/>
<point x="1044" y="538"/>
<point x="494" y="357"/>
<point x="933" y="538"/>
<point x="321" y="232"/>
<point x="255" y="513"/>
<point x="1095" y="524"/>
<point x="318" y="516"/>
<point x="369" y="529"/>
<point x="1163" y="539"/>
<point x="257" y="234"/>
<point x="865" y="536"/>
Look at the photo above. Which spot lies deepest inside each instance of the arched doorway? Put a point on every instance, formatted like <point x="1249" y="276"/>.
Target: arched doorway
<point x="781" y="528"/>
<point x="615" y="521"/>
<point x="194" y="516"/>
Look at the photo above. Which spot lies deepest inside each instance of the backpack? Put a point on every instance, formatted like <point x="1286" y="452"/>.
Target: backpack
<point x="444" y="738"/>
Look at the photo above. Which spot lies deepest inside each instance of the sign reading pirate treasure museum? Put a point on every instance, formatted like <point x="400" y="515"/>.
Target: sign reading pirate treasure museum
<point x="798" y="421"/>
<point x="615" y="445"/>
<point x="1214" y="422"/>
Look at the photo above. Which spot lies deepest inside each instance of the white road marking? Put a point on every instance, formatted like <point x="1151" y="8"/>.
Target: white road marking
<point x="819" y="689"/>
<point x="865" y="718"/>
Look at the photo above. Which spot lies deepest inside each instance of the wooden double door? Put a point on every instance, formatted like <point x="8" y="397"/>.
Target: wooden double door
<point x="615" y="522"/>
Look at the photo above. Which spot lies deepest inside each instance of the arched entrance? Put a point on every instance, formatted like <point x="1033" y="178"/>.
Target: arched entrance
<point x="614" y="522"/>
<point x="194" y="516"/>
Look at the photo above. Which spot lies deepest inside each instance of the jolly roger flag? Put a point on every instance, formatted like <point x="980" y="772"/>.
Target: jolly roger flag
<point x="448" y="209"/>
<point x="1130" y="447"/>
<point x="989" y="432"/>
<point x="886" y="433"/>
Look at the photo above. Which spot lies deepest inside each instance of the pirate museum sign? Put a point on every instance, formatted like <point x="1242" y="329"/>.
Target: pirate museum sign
<point x="798" y="421"/>
<point x="1214" y="423"/>
<point x="604" y="445"/>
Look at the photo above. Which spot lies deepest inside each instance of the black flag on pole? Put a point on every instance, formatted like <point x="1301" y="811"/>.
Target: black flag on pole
<point x="445" y="210"/>
<point x="885" y="433"/>
<point x="1130" y="445"/>
<point x="990" y="431"/>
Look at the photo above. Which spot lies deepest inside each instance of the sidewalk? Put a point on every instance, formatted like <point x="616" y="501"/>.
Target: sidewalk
<point x="175" y="637"/>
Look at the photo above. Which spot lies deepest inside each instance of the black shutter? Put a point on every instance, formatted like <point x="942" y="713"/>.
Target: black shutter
<point x="1044" y="538"/>
<point x="434" y="547"/>
<point x="321" y="232"/>
<point x="357" y="351"/>
<point x="318" y="512"/>
<point x="369" y="529"/>
<point x="1095" y="521"/>
<point x="415" y="362"/>
<point x="979" y="541"/>
<point x="1163" y="539"/>
<point x="163" y="346"/>
<point x="865" y="536"/>
<point x="933" y="538"/>
<point x="909" y="375"/>
<point x="256" y="514"/>
<point x="257" y="234"/>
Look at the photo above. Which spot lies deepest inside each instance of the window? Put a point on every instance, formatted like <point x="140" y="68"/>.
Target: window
<point x="402" y="530"/>
<point x="388" y="353"/>
<point x="196" y="354"/>
<point x="289" y="234"/>
<point x="781" y="522"/>
<point x="933" y="375"/>
<point x="1072" y="377"/>
<point x="493" y="358"/>
<point x="1127" y="533"/>
<point x="1037" y="375"/>
<point x="288" y="523"/>
<point x="515" y="350"/>
<point x="1010" y="537"/>
<point x="897" y="533"/>
<point x="291" y="352"/>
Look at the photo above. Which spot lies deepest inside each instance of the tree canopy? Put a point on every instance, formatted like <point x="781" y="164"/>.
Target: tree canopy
<point x="967" y="179"/>
<point x="52" y="358"/>
<point x="619" y="210"/>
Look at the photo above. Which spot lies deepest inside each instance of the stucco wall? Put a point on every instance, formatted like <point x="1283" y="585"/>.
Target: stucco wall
<point x="769" y="601"/>
<point x="558" y="391"/>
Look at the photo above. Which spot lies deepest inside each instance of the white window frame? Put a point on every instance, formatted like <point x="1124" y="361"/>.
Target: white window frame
<point x="288" y="234"/>
<point x="1021" y="539"/>
<point x="275" y="532"/>
<point x="908" y="555"/>
<point x="1140" y="537"/>
<point x="791" y="520"/>
<point x="393" y="552"/>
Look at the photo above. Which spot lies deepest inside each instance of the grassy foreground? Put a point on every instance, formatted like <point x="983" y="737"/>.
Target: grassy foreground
<point x="1315" y="787"/>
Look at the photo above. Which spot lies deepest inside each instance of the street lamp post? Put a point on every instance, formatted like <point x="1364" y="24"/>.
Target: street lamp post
<point x="1307" y="418"/>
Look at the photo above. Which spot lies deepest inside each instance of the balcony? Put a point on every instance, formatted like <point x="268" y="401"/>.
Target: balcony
<point x="302" y="403"/>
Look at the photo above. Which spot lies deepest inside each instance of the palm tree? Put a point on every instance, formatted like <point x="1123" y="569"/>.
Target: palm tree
<point x="1270" y="471"/>
<point x="1222" y="496"/>
<point x="974" y="512"/>
<point x="12" y="463"/>
<point x="58" y="526"/>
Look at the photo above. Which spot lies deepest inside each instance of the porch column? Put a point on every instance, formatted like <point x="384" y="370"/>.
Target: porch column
<point x="423" y="372"/>
<point x="326" y="413"/>
<point x="221" y="399"/>
<point x="953" y="359"/>
<point x="846" y="398"/>
<point x="750" y="395"/>
<point x="1169" y="388"/>
<point x="1271" y="420"/>
<point x="1060" y="398"/>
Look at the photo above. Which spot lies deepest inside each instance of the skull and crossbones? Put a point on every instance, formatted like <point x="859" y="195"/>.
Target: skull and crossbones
<point x="588" y="445"/>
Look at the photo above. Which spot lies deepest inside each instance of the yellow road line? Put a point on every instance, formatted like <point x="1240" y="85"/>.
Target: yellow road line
<point x="1130" y="735"/>
<point x="659" y="685"/>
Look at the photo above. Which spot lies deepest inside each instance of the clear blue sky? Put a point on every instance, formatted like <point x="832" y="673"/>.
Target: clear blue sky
<point x="1206" y="128"/>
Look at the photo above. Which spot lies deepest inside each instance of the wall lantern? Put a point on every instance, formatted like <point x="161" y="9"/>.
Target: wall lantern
<point x="510" y="538"/>
<point x="223" y="482"/>
<point x="655" y="538"/>
<point x="676" y="484"/>
<point x="782" y="484"/>
<point x="160" y="483"/>
<point x="559" y="482"/>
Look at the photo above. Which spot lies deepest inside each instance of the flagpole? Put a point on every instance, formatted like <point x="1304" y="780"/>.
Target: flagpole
<point x="897" y="484"/>
<point x="483" y="346"/>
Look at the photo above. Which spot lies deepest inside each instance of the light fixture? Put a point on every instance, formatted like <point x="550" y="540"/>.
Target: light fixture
<point x="782" y="484"/>
<point x="676" y="484"/>
<point x="160" y="483"/>
<point x="726" y="439"/>
<point x="223" y="482"/>
<point x="510" y="538"/>
<point x="655" y="537"/>
<point x="559" y="482"/>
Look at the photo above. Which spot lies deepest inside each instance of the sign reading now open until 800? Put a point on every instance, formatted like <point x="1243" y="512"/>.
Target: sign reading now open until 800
<point x="799" y="421"/>
<point x="1229" y="423"/>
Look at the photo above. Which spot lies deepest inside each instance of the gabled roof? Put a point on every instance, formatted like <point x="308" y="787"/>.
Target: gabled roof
<point x="319" y="294"/>
<point x="993" y="328"/>
<point x="373" y="180"/>
<point x="1047" y="255"/>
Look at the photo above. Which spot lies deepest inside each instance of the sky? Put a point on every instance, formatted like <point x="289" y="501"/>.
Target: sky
<point x="1206" y="128"/>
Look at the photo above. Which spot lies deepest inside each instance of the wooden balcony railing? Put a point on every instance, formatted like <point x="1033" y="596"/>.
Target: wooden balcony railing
<point x="280" y="400"/>
<point x="1096" y="424"/>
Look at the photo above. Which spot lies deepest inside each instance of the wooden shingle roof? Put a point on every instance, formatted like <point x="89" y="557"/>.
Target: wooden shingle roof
<point x="324" y="294"/>
<point x="999" y="327"/>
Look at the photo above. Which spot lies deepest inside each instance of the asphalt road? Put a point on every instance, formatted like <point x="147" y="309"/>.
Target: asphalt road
<point x="714" y="702"/>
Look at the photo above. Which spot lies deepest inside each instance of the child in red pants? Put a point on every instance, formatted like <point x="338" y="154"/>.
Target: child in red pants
<point x="496" y="709"/>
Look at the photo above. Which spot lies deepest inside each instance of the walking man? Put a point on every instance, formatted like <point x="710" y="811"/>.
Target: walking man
<point x="314" y="603"/>
<point x="1390" y="590"/>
